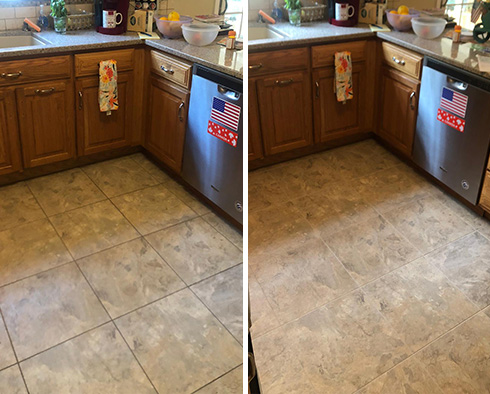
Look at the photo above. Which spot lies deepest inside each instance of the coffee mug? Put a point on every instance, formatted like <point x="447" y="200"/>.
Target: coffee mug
<point x="109" y="19"/>
<point x="344" y="11"/>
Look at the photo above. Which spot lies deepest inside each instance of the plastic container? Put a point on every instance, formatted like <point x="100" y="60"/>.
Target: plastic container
<point x="428" y="28"/>
<point x="401" y="22"/>
<point x="171" y="29"/>
<point x="200" y="34"/>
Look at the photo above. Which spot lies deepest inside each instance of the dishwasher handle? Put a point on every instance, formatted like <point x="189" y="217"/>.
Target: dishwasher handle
<point x="231" y="94"/>
<point x="457" y="84"/>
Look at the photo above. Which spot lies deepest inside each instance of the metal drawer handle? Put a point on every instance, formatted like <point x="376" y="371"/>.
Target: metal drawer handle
<point x="12" y="75"/>
<point x="167" y="70"/>
<point x="45" y="91"/>
<point x="285" y="82"/>
<point x="412" y="96"/>
<point x="181" y="107"/>
<point x="398" y="61"/>
<point x="80" y="100"/>
<point x="255" y="66"/>
<point x="317" y="85"/>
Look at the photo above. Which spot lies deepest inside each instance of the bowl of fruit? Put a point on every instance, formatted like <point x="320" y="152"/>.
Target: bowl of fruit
<point x="171" y="25"/>
<point x="401" y="18"/>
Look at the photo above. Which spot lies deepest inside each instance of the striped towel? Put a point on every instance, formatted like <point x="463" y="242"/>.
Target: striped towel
<point x="343" y="77"/>
<point x="108" y="100"/>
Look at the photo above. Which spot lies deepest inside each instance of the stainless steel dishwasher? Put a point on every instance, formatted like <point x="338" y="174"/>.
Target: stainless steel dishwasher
<point x="213" y="153"/>
<point x="453" y="127"/>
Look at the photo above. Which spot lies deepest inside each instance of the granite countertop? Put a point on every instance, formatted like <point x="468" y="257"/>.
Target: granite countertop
<point x="214" y="56"/>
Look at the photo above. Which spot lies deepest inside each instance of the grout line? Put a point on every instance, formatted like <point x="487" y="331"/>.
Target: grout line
<point x="219" y="377"/>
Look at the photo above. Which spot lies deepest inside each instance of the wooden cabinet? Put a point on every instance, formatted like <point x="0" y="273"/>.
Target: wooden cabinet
<point x="10" y="160"/>
<point x="97" y="131"/>
<point x="398" y="109"/>
<point x="165" y="134"/>
<point x="485" y="193"/>
<point x="254" y="135"/>
<point x="285" y="111"/>
<point x="46" y="122"/>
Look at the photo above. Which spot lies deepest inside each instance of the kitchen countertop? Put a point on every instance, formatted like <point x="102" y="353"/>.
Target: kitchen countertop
<point x="213" y="56"/>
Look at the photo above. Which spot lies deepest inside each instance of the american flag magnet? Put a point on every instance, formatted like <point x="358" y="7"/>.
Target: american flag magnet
<point x="454" y="102"/>
<point x="226" y="113"/>
<point x="451" y="120"/>
<point x="223" y="133"/>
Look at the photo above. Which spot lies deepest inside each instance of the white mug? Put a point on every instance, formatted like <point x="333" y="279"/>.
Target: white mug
<point x="344" y="11"/>
<point x="109" y="19"/>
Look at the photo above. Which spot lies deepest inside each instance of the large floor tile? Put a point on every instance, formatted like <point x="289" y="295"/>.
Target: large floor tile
<point x="223" y="295"/>
<point x="46" y="309"/>
<point x="29" y="249"/>
<point x="11" y="381"/>
<point x="153" y="209"/>
<point x="231" y="383"/>
<point x="98" y="361"/>
<point x="371" y="249"/>
<point x="129" y="276"/>
<point x="428" y="224"/>
<point x="92" y="228"/>
<point x="262" y="316"/>
<point x="7" y="356"/>
<point x="466" y="262"/>
<point x="179" y="343"/>
<point x="119" y="176"/>
<point x="18" y="206"/>
<point x="299" y="278"/>
<point x="459" y="361"/>
<point x="231" y="233"/>
<point x="263" y="191"/>
<point x="419" y="302"/>
<point x="191" y="201"/>
<point x="195" y="250"/>
<point x="151" y="168"/>
<point x="64" y="191"/>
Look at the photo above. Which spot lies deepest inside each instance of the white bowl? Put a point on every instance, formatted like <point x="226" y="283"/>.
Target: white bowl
<point x="427" y="27"/>
<point x="200" y="34"/>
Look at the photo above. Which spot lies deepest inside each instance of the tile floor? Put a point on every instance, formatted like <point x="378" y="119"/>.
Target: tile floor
<point x="366" y="278"/>
<point x="113" y="279"/>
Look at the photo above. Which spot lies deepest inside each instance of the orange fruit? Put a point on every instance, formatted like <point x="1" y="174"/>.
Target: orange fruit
<point x="403" y="9"/>
<point x="163" y="18"/>
<point x="393" y="12"/>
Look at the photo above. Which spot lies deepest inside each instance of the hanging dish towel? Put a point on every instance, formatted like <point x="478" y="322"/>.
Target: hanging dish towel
<point x="343" y="77"/>
<point x="108" y="86"/>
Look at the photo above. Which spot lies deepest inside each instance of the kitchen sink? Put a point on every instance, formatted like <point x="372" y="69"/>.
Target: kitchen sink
<point x="20" y="41"/>
<point x="262" y="33"/>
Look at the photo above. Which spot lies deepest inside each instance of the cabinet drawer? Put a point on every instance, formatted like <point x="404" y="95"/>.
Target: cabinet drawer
<point x="324" y="55"/>
<point x="32" y="70"/>
<point x="402" y="59"/>
<point x="277" y="61"/>
<point x="88" y="63"/>
<point x="171" y="68"/>
<point x="485" y="193"/>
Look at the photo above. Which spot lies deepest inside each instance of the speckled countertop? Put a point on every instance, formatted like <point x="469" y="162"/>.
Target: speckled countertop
<point x="213" y="56"/>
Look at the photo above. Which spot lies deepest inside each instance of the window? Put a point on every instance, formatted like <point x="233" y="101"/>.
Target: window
<point x="461" y="12"/>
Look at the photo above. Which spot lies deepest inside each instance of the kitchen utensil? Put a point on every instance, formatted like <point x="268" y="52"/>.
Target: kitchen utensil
<point x="171" y="29"/>
<point x="428" y="28"/>
<point x="200" y="34"/>
<point x="401" y="22"/>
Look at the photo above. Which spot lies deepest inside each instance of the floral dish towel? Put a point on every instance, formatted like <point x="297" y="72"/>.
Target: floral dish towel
<point x="343" y="77"/>
<point x="108" y="100"/>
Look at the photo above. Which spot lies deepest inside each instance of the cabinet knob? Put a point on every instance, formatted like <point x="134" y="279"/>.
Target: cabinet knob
<point x="284" y="82"/>
<point x="181" y="107"/>
<point x="80" y="100"/>
<point x="412" y="96"/>
<point x="167" y="70"/>
<point x="398" y="61"/>
<point x="317" y="85"/>
<point x="11" y="75"/>
<point x="45" y="91"/>
<point x="255" y="66"/>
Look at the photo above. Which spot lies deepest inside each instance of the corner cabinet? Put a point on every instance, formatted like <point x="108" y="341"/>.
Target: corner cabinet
<point x="10" y="158"/>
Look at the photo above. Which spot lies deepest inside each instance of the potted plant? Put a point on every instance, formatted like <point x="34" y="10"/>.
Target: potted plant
<point x="294" y="11"/>
<point x="59" y="14"/>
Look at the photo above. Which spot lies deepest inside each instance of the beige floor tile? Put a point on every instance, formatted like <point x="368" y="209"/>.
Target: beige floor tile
<point x="428" y="224"/>
<point x="264" y="191"/>
<point x="226" y="229"/>
<point x="223" y="295"/>
<point x="96" y="362"/>
<point x="299" y="278"/>
<point x="151" y="168"/>
<point x="179" y="343"/>
<point x="64" y="191"/>
<point x="419" y="302"/>
<point x="46" y="309"/>
<point x="92" y="228"/>
<point x="466" y="262"/>
<point x="129" y="276"/>
<point x="231" y="383"/>
<point x="195" y="250"/>
<point x="263" y="317"/>
<point x="7" y="356"/>
<point x="28" y="249"/>
<point x="191" y="201"/>
<point x="11" y="381"/>
<point x="371" y="249"/>
<point x="408" y="377"/>
<point x="18" y="206"/>
<point x="459" y="361"/>
<point x="119" y="176"/>
<point x="153" y="209"/>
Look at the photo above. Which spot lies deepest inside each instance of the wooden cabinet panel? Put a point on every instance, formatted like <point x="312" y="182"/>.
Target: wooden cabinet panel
<point x="402" y="59"/>
<point x="398" y="109"/>
<point x="485" y="193"/>
<point x="323" y="55"/>
<point x="10" y="159"/>
<point x="285" y="111"/>
<point x="46" y="119"/>
<point x="254" y="135"/>
<point x="171" y="68"/>
<point x="167" y="121"/>
<point x="87" y="64"/>
<point x="97" y="131"/>
<point x="277" y="61"/>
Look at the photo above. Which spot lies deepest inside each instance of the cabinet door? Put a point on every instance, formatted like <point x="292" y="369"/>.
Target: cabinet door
<point x="334" y="119"/>
<point x="398" y="110"/>
<point x="285" y="111"/>
<point x="254" y="134"/>
<point x="46" y="119"/>
<point x="167" y="122"/>
<point x="10" y="159"/>
<point x="97" y="131"/>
